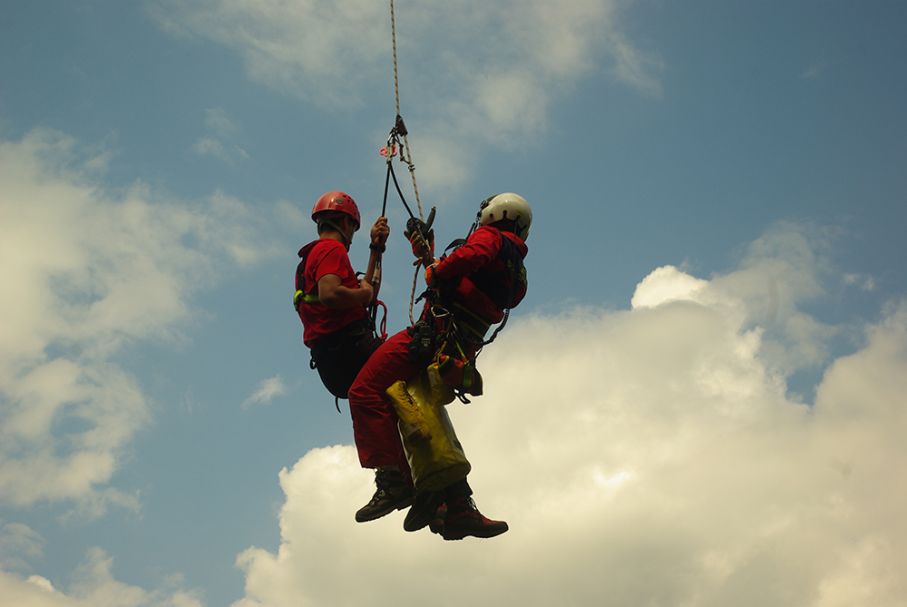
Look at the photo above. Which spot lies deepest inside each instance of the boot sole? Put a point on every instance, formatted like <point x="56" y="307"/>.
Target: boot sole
<point x="437" y="526"/>
<point x="415" y="526"/>
<point x="459" y="535"/>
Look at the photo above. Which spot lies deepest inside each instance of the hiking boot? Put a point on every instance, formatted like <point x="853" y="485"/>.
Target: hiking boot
<point x="425" y="504"/>
<point x="436" y="524"/>
<point x="464" y="519"/>
<point x="393" y="493"/>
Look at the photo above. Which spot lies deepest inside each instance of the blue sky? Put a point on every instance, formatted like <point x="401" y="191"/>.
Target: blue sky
<point x="703" y="387"/>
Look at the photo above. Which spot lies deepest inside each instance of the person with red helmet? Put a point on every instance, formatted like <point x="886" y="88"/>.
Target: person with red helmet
<point x="330" y="300"/>
<point x="332" y="305"/>
<point x="474" y="285"/>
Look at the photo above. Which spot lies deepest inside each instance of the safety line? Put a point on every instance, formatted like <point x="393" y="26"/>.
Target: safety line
<point x="406" y="150"/>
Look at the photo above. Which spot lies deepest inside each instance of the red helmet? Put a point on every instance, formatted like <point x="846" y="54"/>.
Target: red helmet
<point x="337" y="202"/>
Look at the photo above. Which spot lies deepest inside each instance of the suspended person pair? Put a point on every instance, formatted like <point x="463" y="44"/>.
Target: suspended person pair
<point x="398" y="387"/>
<point x="470" y="289"/>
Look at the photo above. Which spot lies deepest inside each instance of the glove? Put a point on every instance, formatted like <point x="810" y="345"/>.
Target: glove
<point x="420" y="237"/>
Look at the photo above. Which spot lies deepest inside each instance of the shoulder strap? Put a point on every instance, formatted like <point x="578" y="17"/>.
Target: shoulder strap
<point x="301" y="296"/>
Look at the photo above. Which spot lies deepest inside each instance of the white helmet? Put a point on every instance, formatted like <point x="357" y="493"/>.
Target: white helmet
<point x="507" y="206"/>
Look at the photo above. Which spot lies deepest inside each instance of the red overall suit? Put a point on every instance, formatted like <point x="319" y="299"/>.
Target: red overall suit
<point x="475" y="277"/>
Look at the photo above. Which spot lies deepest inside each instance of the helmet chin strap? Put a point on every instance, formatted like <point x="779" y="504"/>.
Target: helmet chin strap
<point x="347" y="238"/>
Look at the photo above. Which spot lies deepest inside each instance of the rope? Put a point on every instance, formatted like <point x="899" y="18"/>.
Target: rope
<point x="406" y="150"/>
<point x="406" y="153"/>
<point x="394" y="44"/>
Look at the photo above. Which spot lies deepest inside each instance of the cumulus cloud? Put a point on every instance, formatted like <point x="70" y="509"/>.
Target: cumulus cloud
<point x="471" y="72"/>
<point x="93" y="586"/>
<point x="649" y="456"/>
<point x="87" y="271"/>
<point x="664" y="285"/>
<point x="267" y="390"/>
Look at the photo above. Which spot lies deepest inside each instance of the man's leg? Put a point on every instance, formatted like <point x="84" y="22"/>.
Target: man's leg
<point x="375" y="427"/>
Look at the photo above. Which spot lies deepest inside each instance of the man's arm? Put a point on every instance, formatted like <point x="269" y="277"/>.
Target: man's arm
<point x="481" y="248"/>
<point x="334" y="295"/>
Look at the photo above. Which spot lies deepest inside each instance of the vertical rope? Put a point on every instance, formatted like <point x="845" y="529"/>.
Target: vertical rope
<point x="406" y="151"/>
<point x="394" y="45"/>
<point x="412" y="172"/>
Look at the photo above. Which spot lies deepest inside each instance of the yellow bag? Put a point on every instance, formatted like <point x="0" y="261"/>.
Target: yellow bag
<point x="433" y="451"/>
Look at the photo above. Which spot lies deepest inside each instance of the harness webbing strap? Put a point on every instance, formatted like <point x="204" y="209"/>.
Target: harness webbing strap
<point x="305" y="298"/>
<point x="472" y="322"/>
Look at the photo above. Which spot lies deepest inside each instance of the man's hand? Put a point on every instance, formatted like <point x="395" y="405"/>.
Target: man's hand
<point x="421" y="237"/>
<point x="430" y="278"/>
<point x="380" y="231"/>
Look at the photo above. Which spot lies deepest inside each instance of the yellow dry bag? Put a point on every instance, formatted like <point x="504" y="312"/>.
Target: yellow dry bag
<point x="433" y="451"/>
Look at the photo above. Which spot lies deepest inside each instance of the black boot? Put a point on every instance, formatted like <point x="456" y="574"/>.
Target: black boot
<point x="393" y="493"/>
<point x="425" y="506"/>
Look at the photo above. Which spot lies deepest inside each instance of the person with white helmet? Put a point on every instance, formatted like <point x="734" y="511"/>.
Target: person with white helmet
<point x="332" y="305"/>
<point x="476" y="283"/>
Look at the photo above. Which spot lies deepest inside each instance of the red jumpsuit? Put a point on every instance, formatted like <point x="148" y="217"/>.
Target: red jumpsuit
<point x="479" y="262"/>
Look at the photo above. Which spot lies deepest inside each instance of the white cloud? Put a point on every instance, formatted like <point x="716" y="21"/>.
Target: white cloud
<point x="861" y="281"/>
<point x="19" y="544"/>
<point x="780" y="271"/>
<point x="85" y="272"/>
<point x="222" y="128"/>
<point x="320" y="50"/>
<point x="219" y="122"/>
<point x="648" y="456"/>
<point x="636" y="68"/>
<point x="267" y="390"/>
<point x="93" y="586"/>
<point x="664" y="285"/>
<point x="472" y="74"/>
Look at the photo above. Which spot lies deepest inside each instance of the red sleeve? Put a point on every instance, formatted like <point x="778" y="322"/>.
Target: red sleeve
<point x="332" y="259"/>
<point x="480" y="249"/>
